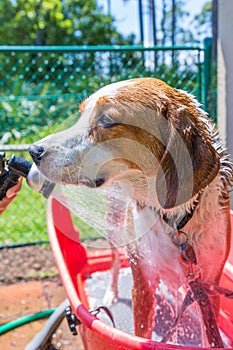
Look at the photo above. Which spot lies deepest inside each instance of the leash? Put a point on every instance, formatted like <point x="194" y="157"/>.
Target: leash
<point x="201" y="297"/>
<point x="198" y="291"/>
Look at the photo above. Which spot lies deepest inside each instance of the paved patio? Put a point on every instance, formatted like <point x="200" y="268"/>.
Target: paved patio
<point x="27" y="298"/>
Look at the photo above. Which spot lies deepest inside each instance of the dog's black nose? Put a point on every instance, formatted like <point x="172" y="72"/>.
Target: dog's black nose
<point x="36" y="152"/>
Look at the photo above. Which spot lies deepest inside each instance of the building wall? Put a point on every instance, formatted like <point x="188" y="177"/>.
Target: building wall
<point x="225" y="74"/>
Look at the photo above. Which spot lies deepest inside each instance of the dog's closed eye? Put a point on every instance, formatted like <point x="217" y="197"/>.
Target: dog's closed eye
<point x="106" y="121"/>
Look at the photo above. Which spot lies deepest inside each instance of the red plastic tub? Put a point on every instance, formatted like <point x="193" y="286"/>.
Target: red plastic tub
<point x="75" y="264"/>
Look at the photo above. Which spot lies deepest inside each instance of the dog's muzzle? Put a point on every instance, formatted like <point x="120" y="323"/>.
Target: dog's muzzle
<point x="36" y="152"/>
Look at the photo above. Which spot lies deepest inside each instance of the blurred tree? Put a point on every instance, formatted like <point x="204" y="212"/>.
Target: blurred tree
<point x="53" y="75"/>
<point x="173" y="20"/>
<point x="57" y="22"/>
<point x="207" y="26"/>
<point x="163" y="22"/>
<point x="172" y="32"/>
<point x="207" y="23"/>
<point x="204" y="19"/>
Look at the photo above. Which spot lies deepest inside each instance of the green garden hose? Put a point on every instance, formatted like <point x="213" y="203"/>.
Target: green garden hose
<point x="24" y="320"/>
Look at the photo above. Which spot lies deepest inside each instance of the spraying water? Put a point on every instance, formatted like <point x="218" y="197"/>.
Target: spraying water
<point x="105" y="209"/>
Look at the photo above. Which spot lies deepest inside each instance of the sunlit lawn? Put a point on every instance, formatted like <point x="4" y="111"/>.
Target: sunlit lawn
<point x="25" y="220"/>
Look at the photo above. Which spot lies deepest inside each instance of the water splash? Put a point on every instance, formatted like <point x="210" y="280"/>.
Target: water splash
<point x="104" y="209"/>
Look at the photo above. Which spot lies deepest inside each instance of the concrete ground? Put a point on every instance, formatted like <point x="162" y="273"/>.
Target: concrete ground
<point x="26" y="298"/>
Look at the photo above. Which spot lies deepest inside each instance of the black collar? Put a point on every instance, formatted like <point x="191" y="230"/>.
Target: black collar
<point x="174" y="221"/>
<point x="178" y="224"/>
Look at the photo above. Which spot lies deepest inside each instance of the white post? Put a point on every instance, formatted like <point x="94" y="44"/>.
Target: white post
<point x="225" y="73"/>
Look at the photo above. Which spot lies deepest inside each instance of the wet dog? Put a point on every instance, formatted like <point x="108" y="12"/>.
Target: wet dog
<point x="158" y="142"/>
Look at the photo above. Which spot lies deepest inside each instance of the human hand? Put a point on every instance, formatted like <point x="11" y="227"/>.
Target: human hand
<point x="10" y="196"/>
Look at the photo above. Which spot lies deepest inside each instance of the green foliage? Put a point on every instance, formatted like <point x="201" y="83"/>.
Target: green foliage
<point x="41" y="89"/>
<point x="169" y="26"/>
<point x="30" y="117"/>
<point x="35" y="87"/>
<point x="203" y="21"/>
<point x="24" y="223"/>
<point x="25" y="220"/>
<point x="38" y="90"/>
<point x="56" y="22"/>
<point x="206" y="13"/>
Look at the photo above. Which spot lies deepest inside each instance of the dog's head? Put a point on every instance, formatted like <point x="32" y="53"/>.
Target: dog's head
<point x="141" y="131"/>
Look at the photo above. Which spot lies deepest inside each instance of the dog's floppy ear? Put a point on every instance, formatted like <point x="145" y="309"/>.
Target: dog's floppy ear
<point x="190" y="162"/>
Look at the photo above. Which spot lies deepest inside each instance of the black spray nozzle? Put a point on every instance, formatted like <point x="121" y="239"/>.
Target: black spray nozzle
<point x="22" y="167"/>
<point x="19" y="166"/>
<point x="10" y="171"/>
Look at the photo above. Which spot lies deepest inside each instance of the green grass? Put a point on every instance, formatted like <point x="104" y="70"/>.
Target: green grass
<point x="25" y="220"/>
